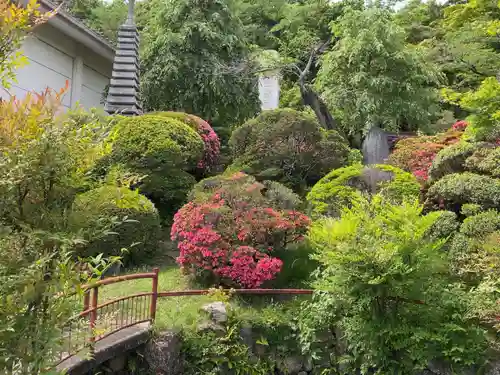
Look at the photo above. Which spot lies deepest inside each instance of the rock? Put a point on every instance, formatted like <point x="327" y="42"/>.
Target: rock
<point x="375" y="147"/>
<point x="246" y="335"/>
<point x="293" y="365"/>
<point x="211" y="326"/>
<point x="308" y="364"/>
<point x="118" y="363"/>
<point x="216" y="311"/>
<point x="163" y="354"/>
<point x="493" y="368"/>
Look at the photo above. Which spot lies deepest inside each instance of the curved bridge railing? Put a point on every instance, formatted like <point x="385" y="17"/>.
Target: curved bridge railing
<point x="98" y="320"/>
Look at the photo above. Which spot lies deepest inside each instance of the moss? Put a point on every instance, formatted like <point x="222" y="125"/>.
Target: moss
<point x="454" y="190"/>
<point x="287" y="146"/>
<point x="342" y="187"/>
<point x="139" y="234"/>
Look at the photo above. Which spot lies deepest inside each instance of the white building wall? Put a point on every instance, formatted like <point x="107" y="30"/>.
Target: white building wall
<point x="53" y="59"/>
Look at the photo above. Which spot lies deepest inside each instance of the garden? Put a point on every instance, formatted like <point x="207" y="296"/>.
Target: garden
<point x="402" y="254"/>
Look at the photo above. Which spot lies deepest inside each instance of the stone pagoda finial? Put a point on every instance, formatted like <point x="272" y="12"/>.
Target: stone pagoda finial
<point x="123" y="94"/>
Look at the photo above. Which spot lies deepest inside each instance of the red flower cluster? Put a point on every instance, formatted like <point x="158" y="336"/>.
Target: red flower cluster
<point x="459" y="125"/>
<point x="212" y="143"/>
<point x="233" y="239"/>
<point x="415" y="154"/>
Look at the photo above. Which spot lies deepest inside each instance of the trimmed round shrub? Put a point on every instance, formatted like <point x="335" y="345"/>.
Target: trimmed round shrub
<point x="485" y="160"/>
<point x="97" y="208"/>
<point x="470" y="209"/>
<point x="342" y="187"/>
<point x="230" y="231"/>
<point x="445" y="225"/>
<point x="266" y="192"/>
<point x="162" y="149"/>
<point x="482" y="224"/>
<point x="454" y="190"/>
<point x="451" y="159"/>
<point x="475" y="250"/>
<point x="153" y="142"/>
<point x="287" y="146"/>
<point x="212" y="143"/>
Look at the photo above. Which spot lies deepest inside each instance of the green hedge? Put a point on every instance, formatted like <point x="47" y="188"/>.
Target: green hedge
<point x="151" y="142"/>
<point x="451" y="159"/>
<point x="97" y="208"/>
<point x="164" y="150"/>
<point x="287" y="146"/>
<point x="454" y="190"/>
<point x="485" y="160"/>
<point x="344" y="186"/>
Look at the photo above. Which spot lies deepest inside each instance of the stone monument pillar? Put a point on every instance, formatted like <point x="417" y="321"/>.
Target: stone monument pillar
<point x="123" y="95"/>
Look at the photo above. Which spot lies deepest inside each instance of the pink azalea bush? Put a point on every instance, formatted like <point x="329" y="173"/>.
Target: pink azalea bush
<point x="231" y="232"/>
<point x="415" y="154"/>
<point x="211" y="141"/>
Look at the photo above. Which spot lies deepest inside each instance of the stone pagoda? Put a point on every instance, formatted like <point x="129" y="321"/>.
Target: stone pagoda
<point x="123" y="95"/>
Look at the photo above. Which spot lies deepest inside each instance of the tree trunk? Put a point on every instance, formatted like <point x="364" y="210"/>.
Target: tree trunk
<point x="312" y="99"/>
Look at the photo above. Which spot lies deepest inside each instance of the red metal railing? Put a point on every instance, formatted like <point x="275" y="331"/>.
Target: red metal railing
<point x="98" y="321"/>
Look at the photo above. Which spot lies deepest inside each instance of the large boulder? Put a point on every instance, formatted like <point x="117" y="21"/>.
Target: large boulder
<point x="163" y="354"/>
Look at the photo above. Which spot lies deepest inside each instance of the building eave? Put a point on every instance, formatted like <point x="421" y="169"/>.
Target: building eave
<point x="75" y="29"/>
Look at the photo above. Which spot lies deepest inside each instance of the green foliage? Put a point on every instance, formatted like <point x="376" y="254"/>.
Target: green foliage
<point x="162" y="150"/>
<point x="272" y="193"/>
<point x="451" y="159"/>
<point x="287" y="146"/>
<point x="344" y="187"/>
<point x="107" y="17"/>
<point x="290" y="97"/>
<point x="446" y="225"/>
<point x="258" y="18"/>
<point x="303" y="25"/>
<point x="210" y="353"/>
<point x="192" y="62"/>
<point x="389" y="293"/>
<point x="485" y="160"/>
<point x="150" y="142"/>
<point x="297" y="266"/>
<point x="475" y="250"/>
<point x="484" y="121"/>
<point x="167" y="190"/>
<point x="45" y="162"/>
<point x="454" y="190"/>
<point x="139" y="233"/>
<point x="466" y="46"/>
<point x="363" y="73"/>
<point x="470" y="209"/>
<point x="16" y="23"/>
<point x="481" y="224"/>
